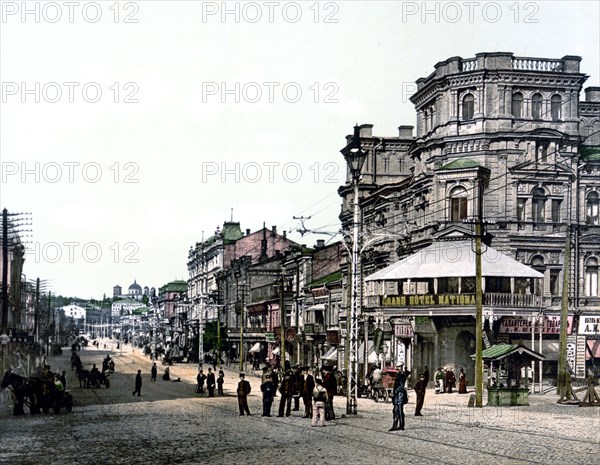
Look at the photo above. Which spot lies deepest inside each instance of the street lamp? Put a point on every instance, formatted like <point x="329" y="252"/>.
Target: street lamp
<point x="355" y="158"/>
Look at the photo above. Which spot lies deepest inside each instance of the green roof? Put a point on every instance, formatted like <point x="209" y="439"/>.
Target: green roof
<point x="330" y="278"/>
<point x="460" y="163"/>
<point x="140" y="310"/>
<point x="231" y="232"/>
<point x="175" y="286"/>
<point x="589" y="153"/>
<point x="498" y="350"/>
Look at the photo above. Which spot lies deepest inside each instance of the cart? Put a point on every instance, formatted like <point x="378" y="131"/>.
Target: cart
<point x="387" y="380"/>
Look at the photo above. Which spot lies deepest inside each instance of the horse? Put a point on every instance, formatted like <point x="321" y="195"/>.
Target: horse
<point x="25" y="390"/>
<point x="84" y="377"/>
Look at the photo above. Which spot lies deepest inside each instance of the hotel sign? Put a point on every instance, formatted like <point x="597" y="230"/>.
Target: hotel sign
<point x="428" y="300"/>
<point x="403" y="331"/>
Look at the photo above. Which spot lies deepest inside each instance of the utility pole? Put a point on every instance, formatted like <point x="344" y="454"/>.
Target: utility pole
<point x="241" y="348"/>
<point x="478" y="316"/>
<point x="4" y="271"/>
<point x="564" y="309"/>
<point x="282" y="316"/>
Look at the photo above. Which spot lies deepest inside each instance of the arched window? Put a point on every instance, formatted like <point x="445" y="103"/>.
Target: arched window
<point x="468" y="107"/>
<point x="517" y="105"/>
<point x="537" y="263"/>
<point x="458" y="204"/>
<point x="591" y="277"/>
<point x="539" y="205"/>
<point x="591" y="208"/>
<point x="536" y="106"/>
<point x="555" y="107"/>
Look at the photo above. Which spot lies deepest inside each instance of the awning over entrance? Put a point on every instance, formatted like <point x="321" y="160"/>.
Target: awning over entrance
<point x="255" y="348"/>
<point x="330" y="355"/>
<point x="593" y="349"/>
<point x="453" y="259"/>
<point x="501" y="351"/>
<point x="371" y="358"/>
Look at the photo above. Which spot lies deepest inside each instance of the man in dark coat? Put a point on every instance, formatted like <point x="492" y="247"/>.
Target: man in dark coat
<point x="420" y="389"/>
<point x="399" y="398"/>
<point x="210" y="382"/>
<point x="307" y="393"/>
<point x="268" y="390"/>
<point x="450" y="380"/>
<point x="138" y="383"/>
<point x="286" y="394"/>
<point x="200" y="378"/>
<point x="153" y="372"/>
<point x="220" y="381"/>
<point x="243" y="390"/>
<point x="330" y="384"/>
<point x="297" y="385"/>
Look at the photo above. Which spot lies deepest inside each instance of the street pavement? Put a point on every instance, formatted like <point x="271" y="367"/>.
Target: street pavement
<point x="170" y="424"/>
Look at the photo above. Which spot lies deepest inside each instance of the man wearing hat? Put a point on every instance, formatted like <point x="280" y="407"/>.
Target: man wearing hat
<point x="307" y="392"/>
<point x="297" y="384"/>
<point x="268" y="390"/>
<point x="243" y="390"/>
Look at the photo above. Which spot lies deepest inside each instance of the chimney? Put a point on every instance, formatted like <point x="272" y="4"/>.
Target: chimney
<point x="405" y="132"/>
<point x="248" y="232"/>
<point x="592" y="94"/>
<point x="320" y="244"/>
<point x="273" y="230"/>
<point x="263" y="244"/>
<point x="284" y="234"/>
<point x="366" y="130"/>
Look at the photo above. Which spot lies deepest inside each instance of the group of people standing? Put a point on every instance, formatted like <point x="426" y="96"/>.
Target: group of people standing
<point x="445" y="381"/>
<point x="211" y="381"/>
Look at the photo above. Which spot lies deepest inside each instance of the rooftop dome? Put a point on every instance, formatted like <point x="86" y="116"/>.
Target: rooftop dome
<point x="135" y="287"/>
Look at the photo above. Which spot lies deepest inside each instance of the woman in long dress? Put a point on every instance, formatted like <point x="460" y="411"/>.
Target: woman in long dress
<point x="462" y="382"/>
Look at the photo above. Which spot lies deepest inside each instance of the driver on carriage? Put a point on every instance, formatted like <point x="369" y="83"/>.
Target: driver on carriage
<point x="94" y="375"/>
<point x="106" y="363"/>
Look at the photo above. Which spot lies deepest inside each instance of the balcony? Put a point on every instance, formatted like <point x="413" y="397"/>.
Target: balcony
<point x="490" y="299"/>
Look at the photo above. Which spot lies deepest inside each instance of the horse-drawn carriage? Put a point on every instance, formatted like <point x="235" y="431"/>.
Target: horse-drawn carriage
<point x="37" y="393"/>
<point x="384" y="387"/>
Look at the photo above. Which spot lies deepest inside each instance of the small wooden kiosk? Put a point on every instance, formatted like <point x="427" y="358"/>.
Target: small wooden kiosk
<point x="505" y="362"/>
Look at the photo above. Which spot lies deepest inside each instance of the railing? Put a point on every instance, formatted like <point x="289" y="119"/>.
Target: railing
<point x="537" y="64"/>
<point x="469" y="64"/>
<point x="489" y="299"/>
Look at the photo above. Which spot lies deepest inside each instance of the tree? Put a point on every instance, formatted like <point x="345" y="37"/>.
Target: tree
<point x="210" y="337"/>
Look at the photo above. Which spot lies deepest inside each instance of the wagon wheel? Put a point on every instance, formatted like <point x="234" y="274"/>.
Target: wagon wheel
<point x="376" y="395"/>
<point x="107" y="383"/>
<point x="56" y="407"/>
<point x="68" y="402"/>
<point x="386" y="396"/>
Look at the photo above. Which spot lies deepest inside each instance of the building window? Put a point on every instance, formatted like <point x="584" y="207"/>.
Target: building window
<point x="536" y="106"/>
<point x="591" y="277"/>
<point x="591" y="208"/>
<point x="555" y="107"/>
<point x="556" y="210"/>
<point x="541" y="152"/>
<point x="539" y="205"/>
<point x="458" y="204"/>
<point x="537" y="263"/>
<point x="468" y="107"/>
<point x="521" y="209"/>
<point x="554" y="287"/>
<point x="517" y="105"/>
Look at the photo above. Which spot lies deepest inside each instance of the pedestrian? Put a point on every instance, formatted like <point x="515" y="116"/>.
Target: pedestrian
<point x="138" y="384"/>
<point x="210" y="383"/>
<point x="153" y="372"/>
<point x="420" y="389"/>
<point x="399" y="399"/>
<point x="63" y="379"/>
<point x="243" y="390"/>
<point x="268" y="390"/>
<point x="200" y="378"/>
<point x="330" y="384"/>
<point x="462" y="382"/>
<point x="297" y="384"/>
<point x="166" y="376"/>
<point x="320" y="399"/>
<point x="426" y="374"/>
<point x="450" y="380"/>
<point x="439" y="381"/>
<point x="286" y="395"/>
<point x="307" y="393"/>
<point x="220" y="381"/>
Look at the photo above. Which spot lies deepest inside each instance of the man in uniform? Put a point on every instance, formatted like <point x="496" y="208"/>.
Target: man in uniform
<point x="420" y="389"/>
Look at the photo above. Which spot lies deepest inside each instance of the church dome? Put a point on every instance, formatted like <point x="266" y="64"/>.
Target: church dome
<point x="135" y="287"/>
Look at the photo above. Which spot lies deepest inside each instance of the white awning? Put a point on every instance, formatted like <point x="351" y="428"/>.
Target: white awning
<point x="320" y="307"/>
<point x="255" y="348"/>
<point x="454" y="259"/>
<point x="330" y="355"/>
<point x="371" y="358"/>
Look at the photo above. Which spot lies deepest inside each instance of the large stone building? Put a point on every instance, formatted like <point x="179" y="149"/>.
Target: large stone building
<point x="506" y="139"/>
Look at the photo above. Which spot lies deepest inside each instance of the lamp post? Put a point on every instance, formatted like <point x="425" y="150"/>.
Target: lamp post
<point x="355" y="158"/>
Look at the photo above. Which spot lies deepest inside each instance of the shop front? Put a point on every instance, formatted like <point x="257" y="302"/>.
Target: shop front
<point x="429" y="298"/>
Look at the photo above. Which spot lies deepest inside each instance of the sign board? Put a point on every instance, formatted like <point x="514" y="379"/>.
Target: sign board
<point x="580" y="357"/>
<point x="270" y="337"/>
<point x="589" y="325"/>
<point x="418" y="300"/>
<point x="571" y="352"/>
<point x="404" y="330"/>
<point x="523" y="324"/>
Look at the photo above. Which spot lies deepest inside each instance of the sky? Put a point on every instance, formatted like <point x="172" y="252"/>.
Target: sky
<point x="131" y="130"/>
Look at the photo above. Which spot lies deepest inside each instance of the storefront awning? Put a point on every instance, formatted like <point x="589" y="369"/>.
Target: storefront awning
<point x="453" y="259"/>
<point x="593" y="349"/>
<point x="320" y="307"/>
<point x="371" y="358"/>
<point x="255" y="348"/>
<point x="330" y="355"/>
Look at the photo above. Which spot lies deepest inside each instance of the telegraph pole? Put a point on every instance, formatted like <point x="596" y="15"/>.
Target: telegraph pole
<point x="564" y="309"/>
<point x="282" y="316"/>
<point x="478" y="316"/>
<point x="241" y="348"/>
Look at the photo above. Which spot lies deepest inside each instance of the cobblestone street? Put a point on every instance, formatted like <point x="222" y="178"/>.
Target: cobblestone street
<point x="171" y="424"/>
